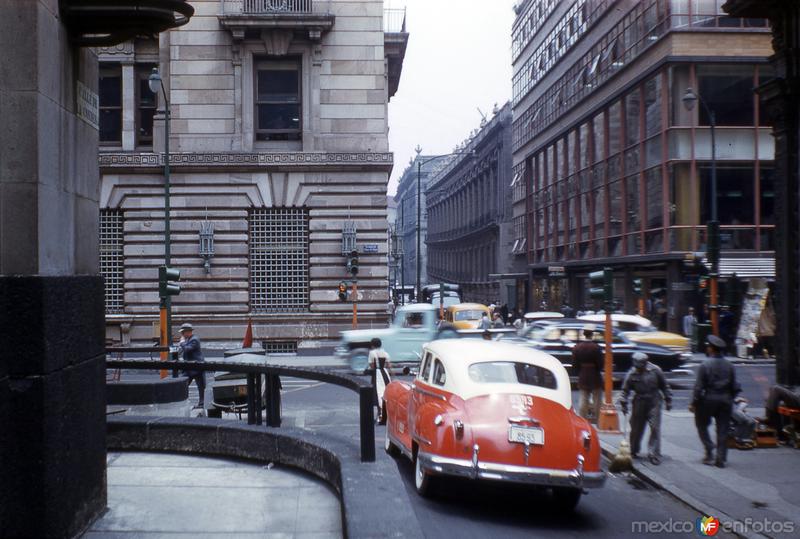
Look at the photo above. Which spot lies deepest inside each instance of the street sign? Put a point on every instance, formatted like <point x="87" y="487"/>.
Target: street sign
<point x="556" y="271"/>
<point x="369" y="248"/>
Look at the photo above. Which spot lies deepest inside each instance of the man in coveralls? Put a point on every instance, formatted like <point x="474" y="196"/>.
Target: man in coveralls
<point x="648" y="384"/>
<point x="714" y="391"/>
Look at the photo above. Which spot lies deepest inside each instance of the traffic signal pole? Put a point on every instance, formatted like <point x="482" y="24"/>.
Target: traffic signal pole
<point x="164" y="334"/>
<point x="355" y="304"/>
<point x="608" y="420"/>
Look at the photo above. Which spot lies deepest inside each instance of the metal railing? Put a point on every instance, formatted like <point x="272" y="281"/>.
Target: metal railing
<point x="394" y="20"/>
<point x="267" y="6"/>
<point x="272" y="374"/>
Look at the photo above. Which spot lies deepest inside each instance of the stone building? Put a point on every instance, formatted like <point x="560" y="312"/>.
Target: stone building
<point x="468" y="204"/>
<point x="617" y="171"/>
<point x="410" y="189"/>
<point x="277" y="140"/>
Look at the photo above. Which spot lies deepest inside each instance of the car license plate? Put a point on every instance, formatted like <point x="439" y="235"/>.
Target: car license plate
<point x="532" y="435"/>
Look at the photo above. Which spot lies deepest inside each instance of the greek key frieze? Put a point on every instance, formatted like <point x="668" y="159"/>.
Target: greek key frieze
<point x="145" y="160"/>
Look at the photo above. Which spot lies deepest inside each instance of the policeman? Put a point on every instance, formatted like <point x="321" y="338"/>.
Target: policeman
<point x="648" y="384"/>
<point x="714" y="391"/>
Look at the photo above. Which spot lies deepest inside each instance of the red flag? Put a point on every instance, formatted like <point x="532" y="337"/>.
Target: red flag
<point x="248" y="335"/>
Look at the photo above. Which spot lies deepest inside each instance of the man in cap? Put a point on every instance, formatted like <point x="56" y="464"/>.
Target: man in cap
<point x="648" y="385"/>
<point x="587" y="362"/>
<point x="714" y="391"/>
<point x="190" y="349"/>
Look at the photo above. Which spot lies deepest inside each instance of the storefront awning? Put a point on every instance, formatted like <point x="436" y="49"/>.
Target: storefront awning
<point x="745" y="267"/>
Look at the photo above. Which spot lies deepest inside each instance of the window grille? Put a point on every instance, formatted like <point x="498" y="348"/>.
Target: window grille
<point x="280" y="347"/>
<point x="111" y="260"/>
<point x="279" y="260"/>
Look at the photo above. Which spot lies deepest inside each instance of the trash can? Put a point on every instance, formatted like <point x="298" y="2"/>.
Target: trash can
<point x="703" y="331"/>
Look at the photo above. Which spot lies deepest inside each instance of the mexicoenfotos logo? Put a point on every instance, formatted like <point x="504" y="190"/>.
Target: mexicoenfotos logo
<point x="707" y="526"/>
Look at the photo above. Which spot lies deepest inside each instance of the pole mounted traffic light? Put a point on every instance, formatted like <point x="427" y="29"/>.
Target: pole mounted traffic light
<point x="166" y="286"/>
<point x="352" y="263"/>
<point x="602" y="286"/>
<point x="637" y="287"/>
<point x="342" y="291"/>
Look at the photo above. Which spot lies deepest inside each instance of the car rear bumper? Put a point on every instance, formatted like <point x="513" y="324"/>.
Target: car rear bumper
<point x="516" y="474"/>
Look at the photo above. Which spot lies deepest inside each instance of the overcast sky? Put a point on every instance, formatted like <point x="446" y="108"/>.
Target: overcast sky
<point x="458" y="60"/>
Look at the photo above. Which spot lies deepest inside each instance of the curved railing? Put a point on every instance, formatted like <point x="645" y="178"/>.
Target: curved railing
<point x="272" y="374"/>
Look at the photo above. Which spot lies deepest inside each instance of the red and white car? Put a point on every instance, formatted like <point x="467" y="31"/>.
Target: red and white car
<point x="496" y="411"/>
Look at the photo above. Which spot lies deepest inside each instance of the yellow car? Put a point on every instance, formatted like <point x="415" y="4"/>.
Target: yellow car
<point x="640" y="329"/>
<point x="466" y="315"/>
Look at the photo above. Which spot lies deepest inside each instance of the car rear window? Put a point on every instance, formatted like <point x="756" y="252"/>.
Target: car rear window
<point x="512" y="372"/>
<point x="469" y="315"/>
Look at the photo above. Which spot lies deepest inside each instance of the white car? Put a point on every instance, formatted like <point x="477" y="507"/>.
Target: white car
<point x="640" y="329"/>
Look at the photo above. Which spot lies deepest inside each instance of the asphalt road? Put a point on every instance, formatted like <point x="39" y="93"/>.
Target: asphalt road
<point x="470" y="509"/>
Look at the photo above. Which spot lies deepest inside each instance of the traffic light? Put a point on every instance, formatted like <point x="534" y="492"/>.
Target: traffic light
<point x="637" y="286"/>
<point x="342" y="291"/>
<point x="602" y="286"/>
<point x="702" y="282"/>
<point x="165" y="287"/>
<point x="352" y="263"/>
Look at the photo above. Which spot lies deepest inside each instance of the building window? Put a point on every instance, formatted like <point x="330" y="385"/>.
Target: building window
<point x="728" y="91"/>
<point x="279" y="260"/>
<point x="110" y="88"/>
<point x="145" y="105"/>
<point x="111" y="260"/>
<point x="278" y="99"/>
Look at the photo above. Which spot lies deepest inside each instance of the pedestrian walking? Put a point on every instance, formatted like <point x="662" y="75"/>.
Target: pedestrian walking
<point x="485" y="323"/>
<point x="714" y="391"/>
<point x="689" y="328"/>
<point x="191" y="351"/>
<point x="587" y="362"/>
<point x="379" y="369"/>
<point x="649" y="385"/>
<point x="498" y="321"/>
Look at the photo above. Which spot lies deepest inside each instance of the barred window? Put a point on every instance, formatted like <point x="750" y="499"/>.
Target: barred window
<point x="111" y="260"/>
<point x="279" y="260"/>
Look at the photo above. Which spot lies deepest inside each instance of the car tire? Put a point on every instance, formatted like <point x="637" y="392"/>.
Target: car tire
<point x="359" y="359"/>
<point x="390" y="448"/>
<point x="566" y="498"/>
<point x="423" y="481"/>
<point x="214" y="412"/>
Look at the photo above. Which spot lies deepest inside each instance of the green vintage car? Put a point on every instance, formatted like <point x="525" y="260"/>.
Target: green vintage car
<point x="413" y="326"/>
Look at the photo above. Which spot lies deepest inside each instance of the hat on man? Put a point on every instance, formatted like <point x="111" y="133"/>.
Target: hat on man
<point x="639" y="359"/>
<point x="716" y="342"/>
<point x="186" y="327"/>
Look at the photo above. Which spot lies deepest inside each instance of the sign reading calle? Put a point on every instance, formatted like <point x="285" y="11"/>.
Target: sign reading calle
<point x="88" y="105"/>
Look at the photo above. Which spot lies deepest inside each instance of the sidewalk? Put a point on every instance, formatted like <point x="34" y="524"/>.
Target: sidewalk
<point x="758" y="484"/>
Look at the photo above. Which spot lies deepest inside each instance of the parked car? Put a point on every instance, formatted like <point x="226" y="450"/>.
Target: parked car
<point x="229" y="389"/>
<point x="640" y="329"/>
<point x="466" y="315"/>
<point x="413" y="326"/>
<point x="493" y="411"/>
<point x="557" y="337"/>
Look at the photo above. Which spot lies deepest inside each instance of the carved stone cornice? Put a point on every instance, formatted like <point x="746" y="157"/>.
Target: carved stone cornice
<point x="141" y="162"/>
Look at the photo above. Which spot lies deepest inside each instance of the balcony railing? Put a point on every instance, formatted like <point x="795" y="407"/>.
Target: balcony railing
<point x="255" y="7"/>
<point x="394" y="20"/>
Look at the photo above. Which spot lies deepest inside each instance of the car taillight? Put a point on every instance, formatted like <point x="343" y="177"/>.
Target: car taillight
<point x="587" y="439"/>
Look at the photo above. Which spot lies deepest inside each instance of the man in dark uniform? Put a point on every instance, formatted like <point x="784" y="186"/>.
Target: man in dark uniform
<point x="190" y="349"/>
<point x="587" y="362"/>
<point x="648" y="385"/>
<point x="714" y="391"/>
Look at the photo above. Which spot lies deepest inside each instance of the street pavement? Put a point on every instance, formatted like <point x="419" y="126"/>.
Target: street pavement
<point x="757" y="485"/>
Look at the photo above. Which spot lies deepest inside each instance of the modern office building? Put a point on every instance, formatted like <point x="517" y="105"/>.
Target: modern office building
<point x="468" y="202"/>
<point x="277" y="146"/>
<point x="618" y="172"/>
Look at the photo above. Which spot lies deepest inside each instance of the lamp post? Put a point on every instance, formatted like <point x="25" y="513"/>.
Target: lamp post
<point x="402" y="252"/>
<point x="155" y="83"/>
<point x="689" y="99"/>
<point x="421" y="162"/>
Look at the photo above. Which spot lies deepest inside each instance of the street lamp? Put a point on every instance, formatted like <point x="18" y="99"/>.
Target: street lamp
<point x="689" y="99"/>
<point x="155" y="83"/>
<point x="421" y="162"/>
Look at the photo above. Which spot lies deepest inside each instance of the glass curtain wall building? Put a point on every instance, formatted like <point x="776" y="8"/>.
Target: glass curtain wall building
<point x="617" y="170"/>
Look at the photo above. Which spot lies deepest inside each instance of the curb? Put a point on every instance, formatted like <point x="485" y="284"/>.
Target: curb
<point x="658" y="481"/>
